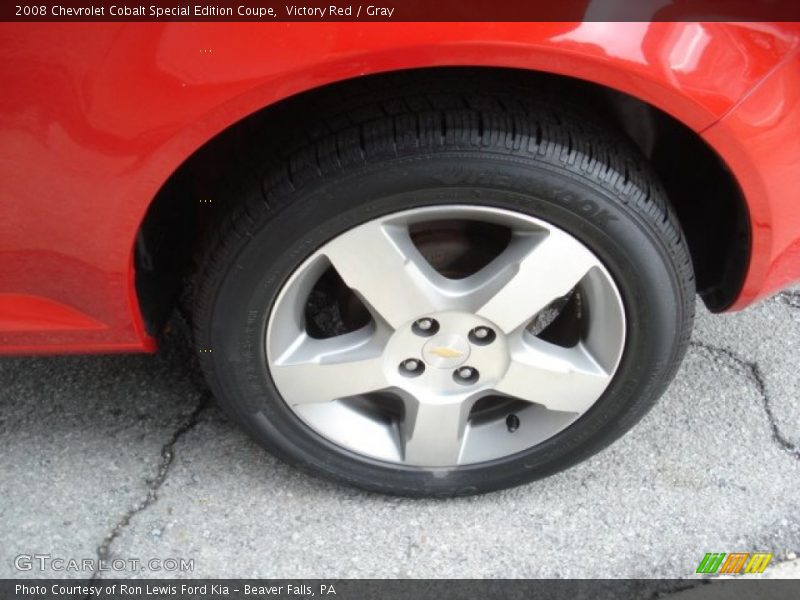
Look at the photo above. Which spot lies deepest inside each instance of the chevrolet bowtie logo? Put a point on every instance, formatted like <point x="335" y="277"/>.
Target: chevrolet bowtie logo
<point x="445" y="352"/>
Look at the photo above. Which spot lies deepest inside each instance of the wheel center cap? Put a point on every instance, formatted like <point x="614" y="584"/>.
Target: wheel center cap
<point x="446" y="351"/>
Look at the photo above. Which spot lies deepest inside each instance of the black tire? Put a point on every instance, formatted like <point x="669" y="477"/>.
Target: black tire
<point x="399" y="151"/>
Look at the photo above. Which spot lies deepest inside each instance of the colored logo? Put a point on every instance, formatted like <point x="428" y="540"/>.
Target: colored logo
<point x="445" y="352"/>
<point x="735" y="563"/>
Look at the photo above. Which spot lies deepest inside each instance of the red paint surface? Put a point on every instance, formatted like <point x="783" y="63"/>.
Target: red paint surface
<point x="95" y="117"/>
<point x="760" y="142"/>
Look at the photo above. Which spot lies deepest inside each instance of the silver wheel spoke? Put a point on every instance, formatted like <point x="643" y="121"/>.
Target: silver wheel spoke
<point x="543" y="270"/>
<point x="566" y="379"/>
<point x="435" y="431"/>
<point x="380" y="262"/>
<point x="325" y="370"/>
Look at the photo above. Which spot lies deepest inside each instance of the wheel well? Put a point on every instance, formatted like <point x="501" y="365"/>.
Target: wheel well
<point x="703" y="192"/>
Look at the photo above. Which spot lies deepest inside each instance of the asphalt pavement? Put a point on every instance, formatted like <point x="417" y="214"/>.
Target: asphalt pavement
<point x="127" y="458"/>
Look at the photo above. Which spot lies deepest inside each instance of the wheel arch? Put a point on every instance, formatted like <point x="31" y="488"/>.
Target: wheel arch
<point x="172" y="224"/>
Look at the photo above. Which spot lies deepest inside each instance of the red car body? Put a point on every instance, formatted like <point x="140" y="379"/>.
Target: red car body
<point x="95" y="117"/>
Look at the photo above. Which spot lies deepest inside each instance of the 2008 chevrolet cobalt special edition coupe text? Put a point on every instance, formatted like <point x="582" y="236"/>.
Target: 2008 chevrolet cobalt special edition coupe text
<point x="422" y="259"/>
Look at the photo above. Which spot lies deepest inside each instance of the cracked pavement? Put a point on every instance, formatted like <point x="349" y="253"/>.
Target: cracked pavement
<point x="128" y="457"/>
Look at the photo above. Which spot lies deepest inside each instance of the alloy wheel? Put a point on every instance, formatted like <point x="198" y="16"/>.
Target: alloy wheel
<point x="445" y="336"/>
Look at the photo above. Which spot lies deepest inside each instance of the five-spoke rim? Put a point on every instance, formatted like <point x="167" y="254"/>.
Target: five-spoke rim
<point x="440" y="371"/>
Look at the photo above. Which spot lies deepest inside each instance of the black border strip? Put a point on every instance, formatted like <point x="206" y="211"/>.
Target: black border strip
<point x="402" y="10"/>
<point x="390" y="589"/>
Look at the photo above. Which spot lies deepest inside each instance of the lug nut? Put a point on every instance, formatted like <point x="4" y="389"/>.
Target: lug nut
<point x="481" y="336"/>
<point x="411" y="367"/>
<point x="425" y="327"/>
<point x="466" y="375"/>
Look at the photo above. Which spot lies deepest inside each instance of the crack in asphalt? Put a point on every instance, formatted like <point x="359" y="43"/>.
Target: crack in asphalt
<point x="791" y="299"/>
<point x="751" y="371"/>
<point x="153" y="485"/>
